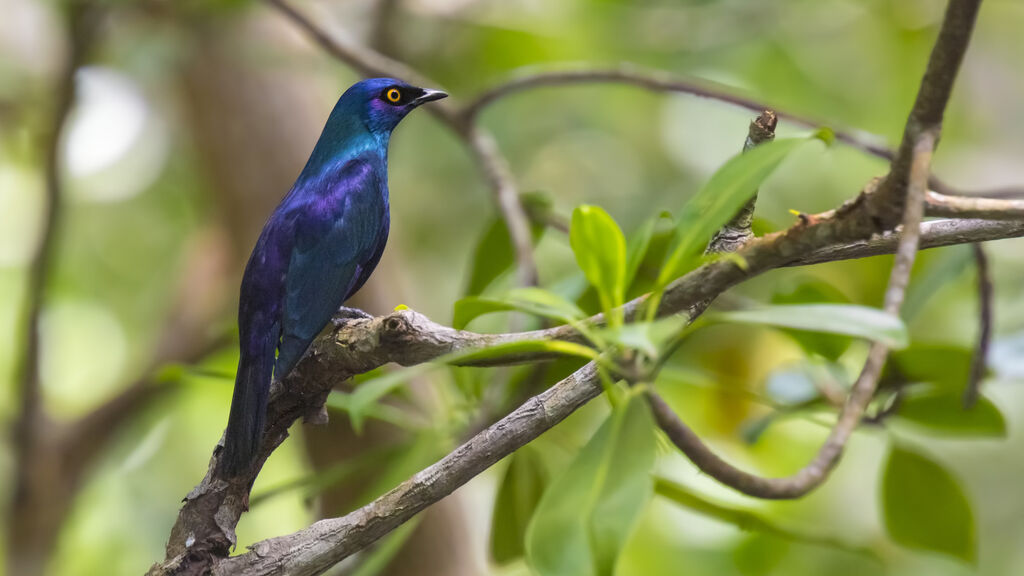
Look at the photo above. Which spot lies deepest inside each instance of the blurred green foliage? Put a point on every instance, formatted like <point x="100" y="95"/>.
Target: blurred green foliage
<point x="142" y="189"/>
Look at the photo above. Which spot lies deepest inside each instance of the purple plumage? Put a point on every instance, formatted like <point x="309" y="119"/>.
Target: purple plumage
<point x="316" y="250"/>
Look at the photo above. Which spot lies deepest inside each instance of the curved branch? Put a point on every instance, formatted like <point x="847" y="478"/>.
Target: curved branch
<point x="813" y="474"/>
<point x="656" y="81"/>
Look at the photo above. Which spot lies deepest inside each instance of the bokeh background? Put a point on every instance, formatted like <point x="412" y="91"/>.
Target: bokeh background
<point x="193" y="118"/>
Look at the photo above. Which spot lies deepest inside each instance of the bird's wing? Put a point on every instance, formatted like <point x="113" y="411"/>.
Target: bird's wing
<point x="336" y="234"/>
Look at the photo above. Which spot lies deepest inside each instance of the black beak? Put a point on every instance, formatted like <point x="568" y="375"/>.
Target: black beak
<point x="429" y="96"/>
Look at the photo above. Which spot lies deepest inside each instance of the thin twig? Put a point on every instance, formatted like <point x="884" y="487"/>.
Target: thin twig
<point x="498" y="174"/>
<point x="658" y="81"/>
<point x="985" y="298"/>
<point x="971" y="207"/>
<point x="653" y="80"/>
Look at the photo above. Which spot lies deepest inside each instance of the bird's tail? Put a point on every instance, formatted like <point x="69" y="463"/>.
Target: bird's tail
<point x="248" y="406"/>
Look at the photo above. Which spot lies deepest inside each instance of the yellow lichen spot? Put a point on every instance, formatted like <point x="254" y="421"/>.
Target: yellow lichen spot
<point x="401" y="307"/>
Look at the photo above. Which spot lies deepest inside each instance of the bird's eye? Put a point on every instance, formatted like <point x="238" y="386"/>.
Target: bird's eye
<point x="393" y="95"/>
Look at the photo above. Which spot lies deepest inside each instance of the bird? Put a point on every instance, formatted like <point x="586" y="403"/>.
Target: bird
<point x="315" y="251"/>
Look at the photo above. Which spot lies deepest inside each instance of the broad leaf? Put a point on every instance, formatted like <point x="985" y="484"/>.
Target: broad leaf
<point x="600" y="250"/>
<point x="815" y="291"/>
<point x="847" y="319"/>
<point x="948" y="367"/>
<point x="940" y="269"/>
<point x="586" y="515"/>
<point x="494" y="255"/>
<point x="518" y="496"/>
<point x="925" y="508"/>
<point x="943" y="411"/>
<point x="647" y="337"/>
<point x="638" y="245"/>
<point x="719" y="200"/>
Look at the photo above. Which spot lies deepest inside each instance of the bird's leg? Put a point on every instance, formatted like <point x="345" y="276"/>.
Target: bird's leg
<point x="344" y="314"/>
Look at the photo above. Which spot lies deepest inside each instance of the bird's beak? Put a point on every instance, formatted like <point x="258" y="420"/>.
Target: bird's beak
<point x="429" y="96"/>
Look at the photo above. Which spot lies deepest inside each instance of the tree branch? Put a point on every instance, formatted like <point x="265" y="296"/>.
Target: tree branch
<point x="863" y="390"/>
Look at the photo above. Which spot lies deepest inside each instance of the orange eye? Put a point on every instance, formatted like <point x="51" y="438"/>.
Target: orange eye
<point x="393" y="95"/>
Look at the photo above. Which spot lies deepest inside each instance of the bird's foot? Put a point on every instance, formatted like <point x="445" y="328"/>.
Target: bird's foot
<point x="344" y="314"/>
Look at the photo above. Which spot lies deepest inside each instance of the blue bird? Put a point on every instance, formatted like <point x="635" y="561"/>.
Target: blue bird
<point x="316" y="250"/>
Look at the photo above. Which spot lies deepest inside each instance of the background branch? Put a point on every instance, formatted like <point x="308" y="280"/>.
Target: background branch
<point x="30" y="543"/>
<point x="985" y="298"/>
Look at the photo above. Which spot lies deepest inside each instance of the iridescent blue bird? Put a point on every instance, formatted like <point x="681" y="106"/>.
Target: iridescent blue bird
<point x="316" y="250"/>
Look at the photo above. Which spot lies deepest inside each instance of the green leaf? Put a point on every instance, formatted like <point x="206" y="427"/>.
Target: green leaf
<point x="746" y="520"/>
<point x="362" y="401"/>
<point x="600" y="250"/>
<point x="925" y="508"/>
<point x="520" y="492"/>
<point x="647" y="337"/>
<point x="943" y="411"/>
<point x="939" y="269"/>
<point x="948" y="367"/>
<point x="588" y="512"/>
<point x="719" y="200"/>
<point x="637" y="248"/>
<point x="535" y="301"/>
<point x="847" y="319"/>
<point x="368" y="393"/>
<point x="494" y="255"/>
<point x="815" y="291"/>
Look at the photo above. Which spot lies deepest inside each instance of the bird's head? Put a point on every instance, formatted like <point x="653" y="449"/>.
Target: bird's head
<point x="381" y="103"/>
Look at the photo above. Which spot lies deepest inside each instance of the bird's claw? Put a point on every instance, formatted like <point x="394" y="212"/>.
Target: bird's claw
<point x="344" y="314"/>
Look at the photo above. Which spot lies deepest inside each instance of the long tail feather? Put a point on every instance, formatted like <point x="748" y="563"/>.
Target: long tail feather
<point x="248" y="408"/>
